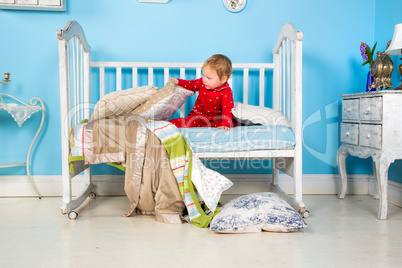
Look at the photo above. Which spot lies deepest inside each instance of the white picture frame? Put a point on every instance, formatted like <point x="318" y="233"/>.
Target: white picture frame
<point x="39" y="5"/>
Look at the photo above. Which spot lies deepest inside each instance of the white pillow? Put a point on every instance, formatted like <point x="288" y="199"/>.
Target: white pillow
<point x="255" y="213"/>
<point x="164" y="103"/>
<point x="246" y="114"/>
<point x="121" y="102"/>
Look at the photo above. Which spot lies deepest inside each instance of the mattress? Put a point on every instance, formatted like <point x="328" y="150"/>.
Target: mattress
<point x="241" y="138"/>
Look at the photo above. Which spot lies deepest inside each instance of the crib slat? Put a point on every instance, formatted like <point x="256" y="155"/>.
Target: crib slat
<point x="183" y="110"/>
<point x="183" y="107"/>
<point x="198" y="73"/>
<point x="150" y="76"/>
<point x="245" y="85"/>
<point x="279" y="100"/>
<point x="182" y="73"/>
<point x="288" y="78"/>
<point x="118" y="78"/>
<point x="101" y="81"/>
<point x="82" y="102"/>
<point x="87" y="84"/>
<point x="77" y="81"/>
<point x="262" y="87"/>
<point x="165" y="75"/>
<point x="74" y="42"/>
<point x="283" y="78"/>
<point x="68" y="86"/>
<point x="293" y="80"/>
<point x="275" y="83"/>
<point x="135" y="76"/>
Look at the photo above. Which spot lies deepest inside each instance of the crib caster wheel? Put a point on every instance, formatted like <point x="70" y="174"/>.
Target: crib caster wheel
<point x="305" y="213"/>
<point x="92" y="195"/>
<point x="72" y="215"/>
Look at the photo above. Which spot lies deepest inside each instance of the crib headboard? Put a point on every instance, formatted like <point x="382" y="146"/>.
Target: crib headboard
<point x="76" y="67"/>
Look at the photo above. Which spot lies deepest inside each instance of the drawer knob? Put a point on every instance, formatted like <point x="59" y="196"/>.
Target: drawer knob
<point x="347" y="133"/>
<point x="349" y="109"/>
<point x="368" y="109"/>
<point x="368" y="136"/>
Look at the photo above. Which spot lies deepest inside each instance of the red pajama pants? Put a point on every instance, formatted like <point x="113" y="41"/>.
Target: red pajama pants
<point x="194" y="121"/>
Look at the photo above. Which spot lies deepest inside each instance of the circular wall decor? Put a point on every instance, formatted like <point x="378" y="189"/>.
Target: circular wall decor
<point x="234" y="5"/>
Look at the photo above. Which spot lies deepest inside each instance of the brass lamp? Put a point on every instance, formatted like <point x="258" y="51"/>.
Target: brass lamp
<point x="395" y="48"/>
<point x="6" y="78"/>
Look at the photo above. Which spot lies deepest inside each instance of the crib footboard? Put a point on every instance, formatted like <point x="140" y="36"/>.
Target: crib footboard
<point x="287" y="98"/>
<point x="74" y="77"/>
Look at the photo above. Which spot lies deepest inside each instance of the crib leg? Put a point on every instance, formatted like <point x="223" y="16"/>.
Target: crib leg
<point x="69" y="203"/>
<point x="67" y="192"/>
<point x="278" y="190"/>
<point x="295" y="202"/>
<point x="298" y="206"/>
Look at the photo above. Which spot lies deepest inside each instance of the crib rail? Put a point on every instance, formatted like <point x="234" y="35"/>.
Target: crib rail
<point x="183" y="68"/>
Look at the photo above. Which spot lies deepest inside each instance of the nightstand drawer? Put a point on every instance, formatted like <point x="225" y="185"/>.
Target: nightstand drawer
<point x="350" y="109"/>
<point x="370" y="136"/>
<point x="370" y="109"/>
<point x="350" y="133"/>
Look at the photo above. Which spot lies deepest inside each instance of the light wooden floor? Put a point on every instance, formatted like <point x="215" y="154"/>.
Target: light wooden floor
<point x="342" y="233"/>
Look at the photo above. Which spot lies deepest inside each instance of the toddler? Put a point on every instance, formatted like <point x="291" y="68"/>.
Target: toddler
<point x="213" y="107"/>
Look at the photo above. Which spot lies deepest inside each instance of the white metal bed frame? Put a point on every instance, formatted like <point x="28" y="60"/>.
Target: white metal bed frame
<point x="75" y="76"/>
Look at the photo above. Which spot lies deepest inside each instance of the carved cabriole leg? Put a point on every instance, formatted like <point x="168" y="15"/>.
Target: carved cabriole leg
<point x="382" y="164"/>
<point x="341" y="156"/>
<point x="376" y="193"/>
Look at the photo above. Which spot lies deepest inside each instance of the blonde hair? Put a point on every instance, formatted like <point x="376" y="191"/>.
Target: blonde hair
<point x="221" y="64"/>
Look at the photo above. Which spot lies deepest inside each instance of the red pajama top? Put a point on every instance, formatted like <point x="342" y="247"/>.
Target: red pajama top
<point x="211" y="103"/>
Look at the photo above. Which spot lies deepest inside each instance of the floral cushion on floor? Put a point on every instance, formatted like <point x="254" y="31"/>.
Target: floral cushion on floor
<point x="255" y="213"/>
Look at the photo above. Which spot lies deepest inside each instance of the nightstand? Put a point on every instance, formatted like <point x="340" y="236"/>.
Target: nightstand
<point x="372" y="126"/>
<point x="21" y="112"/>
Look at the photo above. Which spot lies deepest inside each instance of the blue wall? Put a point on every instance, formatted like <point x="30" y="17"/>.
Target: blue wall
<point x="183" y="30"/>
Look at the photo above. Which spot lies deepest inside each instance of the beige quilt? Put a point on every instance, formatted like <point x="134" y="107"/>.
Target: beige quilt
<point x="149" y="182"/>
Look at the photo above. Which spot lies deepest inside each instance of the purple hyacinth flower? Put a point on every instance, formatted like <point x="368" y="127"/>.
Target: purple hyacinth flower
<point x="363" y="51"/>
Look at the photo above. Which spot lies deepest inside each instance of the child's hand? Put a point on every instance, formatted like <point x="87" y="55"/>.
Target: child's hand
<point x="175" y="80"/>
<point x="224" y="128"/>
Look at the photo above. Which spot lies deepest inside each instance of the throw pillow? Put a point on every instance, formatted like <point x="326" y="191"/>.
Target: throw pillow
<point x="121" y="102"/>
<point x="163" y="104"/>
<point x="251" y="114"/>
<point x="257" y="212"/>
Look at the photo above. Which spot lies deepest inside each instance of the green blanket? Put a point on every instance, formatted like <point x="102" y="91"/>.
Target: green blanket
<point x="181" y="161"/>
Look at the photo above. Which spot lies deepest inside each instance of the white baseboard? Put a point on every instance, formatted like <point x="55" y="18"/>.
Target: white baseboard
<point x="312" y="184"/>
<point x="51" y="185"/>
<point x="18" y="186"/>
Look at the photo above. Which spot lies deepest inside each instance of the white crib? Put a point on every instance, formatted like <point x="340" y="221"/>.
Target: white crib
<point x="75" y="91"/>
